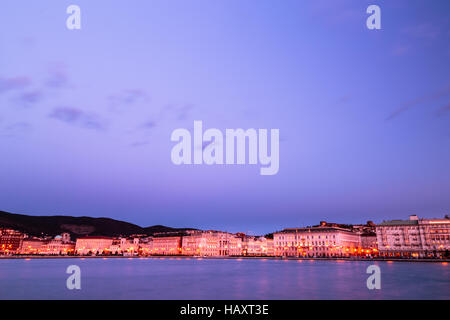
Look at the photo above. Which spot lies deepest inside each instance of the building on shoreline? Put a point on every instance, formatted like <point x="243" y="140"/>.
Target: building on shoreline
<point x="60" y="245"/>
<point x="435" y="237"/>
<point x="126" y="246"/>
<point x="369" y="243"/>
<point x="32" y="246"/>
<point x="10" y="241"/>
<point x="169" y="246"/>
<point x="414" y="238"/>
<point x="92" y="245"/>
<point x="211" y="243"/>
<point x="318" y="241"/>
<point x="257" y="246"/>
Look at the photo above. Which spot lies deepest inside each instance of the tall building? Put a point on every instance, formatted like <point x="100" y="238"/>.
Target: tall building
<point x="65" y="237"/>
<point x="414" y="237"/>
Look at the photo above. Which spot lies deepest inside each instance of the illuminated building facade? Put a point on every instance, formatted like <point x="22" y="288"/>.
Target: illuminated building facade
<point x="32" y="246"/>
<point x="257" y="246"/>
<point x="320" y="241"/>
<point x="211" y="243"/>
<point x="93" y="245"/>
<point x="58" y="246"/>
<point x="414" y="237"/>
<point x="10" y="241"/>
<point x="369" y="244"/>
<point x="166" y="246"/>
<point x="434" y="235"/>
<point x="128" y="246"/>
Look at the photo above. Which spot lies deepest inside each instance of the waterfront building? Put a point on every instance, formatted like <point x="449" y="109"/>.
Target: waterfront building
<point x="32" y="246"/>
<point x="146" y="246"/>
<point x="211" y="243"/>
<point x="231" y="245"/>
<point x="435" y="237"/>
<point x="414" y="237"/>
<point x="369" y="244"/>
<point x="128" y="246"/>
<point x="269" y="247"/>
<point x="10" y="241"/>
<point x="325" y="240"/>
<point x="58" y="246"/>
<point x="166" y="245"/>
<point x="92" y="245"/>
<point x="114" y="248"/>
<point x="257" y="246"/>
<point x="193" y="244"/>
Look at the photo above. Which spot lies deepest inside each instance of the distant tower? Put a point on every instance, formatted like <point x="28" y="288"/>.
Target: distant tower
<point x="65" y="237"/>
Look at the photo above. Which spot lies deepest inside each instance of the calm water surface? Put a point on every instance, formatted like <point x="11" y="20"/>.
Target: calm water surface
<point x="172" y="278"/>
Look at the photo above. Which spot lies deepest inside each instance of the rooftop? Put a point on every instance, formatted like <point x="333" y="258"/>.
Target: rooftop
<point x="399" y="223"/>
<point x="96" y="237"/>
<point x="316" y="229"/>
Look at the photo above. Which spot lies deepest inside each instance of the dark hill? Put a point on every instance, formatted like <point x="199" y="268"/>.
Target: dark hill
<point x="77" y="226"/>
<point x="159" y="228"/>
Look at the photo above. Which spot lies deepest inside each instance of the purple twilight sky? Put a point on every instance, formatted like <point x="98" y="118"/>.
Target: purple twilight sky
<point x="364" y="115"/>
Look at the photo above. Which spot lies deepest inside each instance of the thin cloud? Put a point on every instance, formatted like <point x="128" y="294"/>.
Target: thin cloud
<point x="420" y="34"/>
<point x="57" y="77"/>
<point x="66" y="114"/>
<point x="184" y="112"/>
<point x="16" y="129"/>
<point x="14" y="83"/>
<point x="123" y="100"/>
<point x="179" y="112"/>
<point x="77" y="117"/>
<point x="148" y="125"/>
<point x="139" y="144"/>
<point x="443" y="110"/>
<point x="401" y="49"/>
<point x="425" y="30"/>
<point x="426" y="98"/>
<point x="29" y="98"/>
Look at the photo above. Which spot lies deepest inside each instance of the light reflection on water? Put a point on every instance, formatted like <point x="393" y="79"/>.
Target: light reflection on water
<point x="168" y="278"/>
